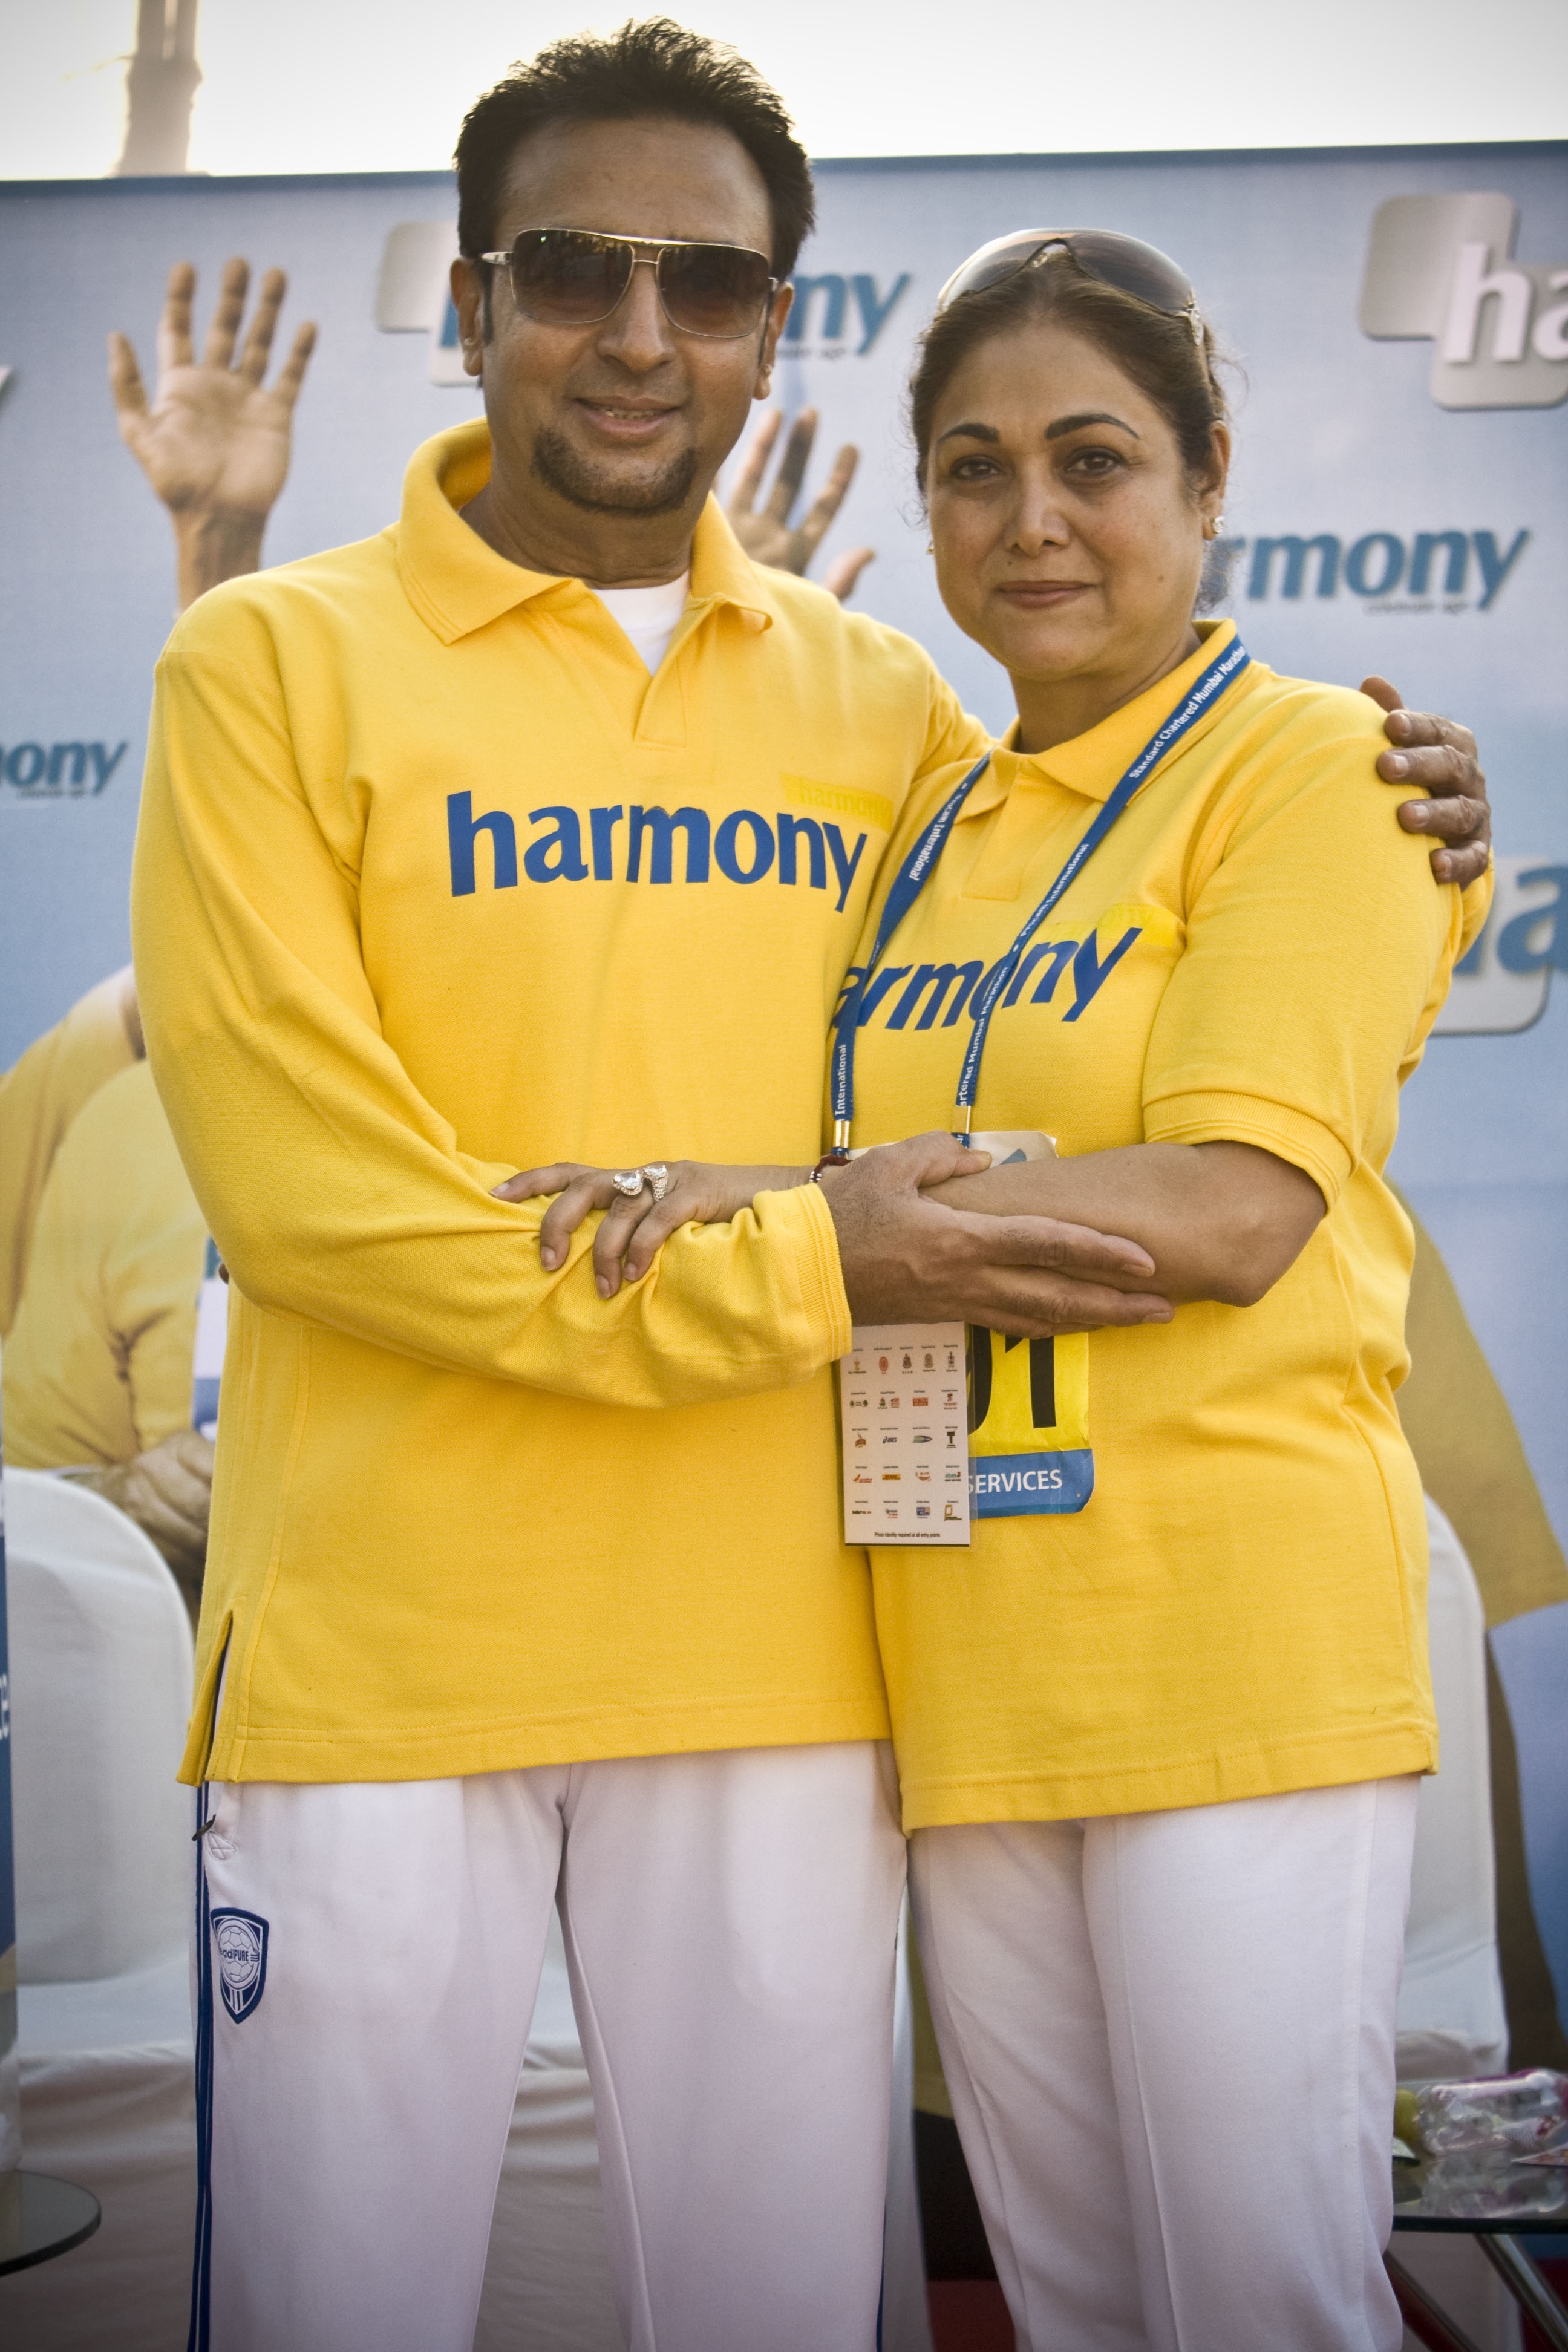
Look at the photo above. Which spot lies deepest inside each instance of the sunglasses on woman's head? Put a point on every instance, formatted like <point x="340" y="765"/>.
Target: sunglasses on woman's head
<point x="574" y="278"/>
<point x="1124" y="262"/>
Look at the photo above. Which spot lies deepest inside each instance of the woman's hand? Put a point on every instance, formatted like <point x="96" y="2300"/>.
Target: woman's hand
<point x="701" y="1192"/>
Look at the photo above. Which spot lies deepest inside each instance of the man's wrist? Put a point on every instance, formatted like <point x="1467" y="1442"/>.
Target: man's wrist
<point x="213" y="547"/>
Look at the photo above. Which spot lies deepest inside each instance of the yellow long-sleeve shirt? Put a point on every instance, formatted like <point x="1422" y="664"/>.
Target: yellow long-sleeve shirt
<point x="39" y="1097"/>
<point x="434" y="883"/>
<point x="97" y="1362"/>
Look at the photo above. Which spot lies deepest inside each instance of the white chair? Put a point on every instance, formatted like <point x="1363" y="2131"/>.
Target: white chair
<point x="100" y="1685"/>
<point x="100" y="1679"/>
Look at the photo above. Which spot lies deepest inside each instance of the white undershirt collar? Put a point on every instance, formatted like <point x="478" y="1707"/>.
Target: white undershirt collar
<point x="648" y="617"/>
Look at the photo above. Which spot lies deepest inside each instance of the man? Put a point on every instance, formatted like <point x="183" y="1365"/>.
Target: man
<point x="492" y="838"/>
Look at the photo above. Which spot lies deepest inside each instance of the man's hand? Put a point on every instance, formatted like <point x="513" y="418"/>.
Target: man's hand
<point x="701" y="1192"/>
<point x="768" y="535"/>
<point x="214" y="441"/>
<point x="907" y="1259"/>
<point x="168" y="1491"/>
<point x="1440" y="756"/>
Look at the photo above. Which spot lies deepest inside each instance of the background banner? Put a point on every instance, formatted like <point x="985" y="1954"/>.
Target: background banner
<point x="1399" y="322"/>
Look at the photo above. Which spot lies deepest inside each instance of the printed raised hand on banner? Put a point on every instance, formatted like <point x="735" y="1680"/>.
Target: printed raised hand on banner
<point x="767" y="532"/>
<point x="214" y="440"/>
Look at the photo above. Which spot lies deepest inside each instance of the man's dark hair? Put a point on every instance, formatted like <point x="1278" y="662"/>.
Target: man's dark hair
<point x="653" y="68"/>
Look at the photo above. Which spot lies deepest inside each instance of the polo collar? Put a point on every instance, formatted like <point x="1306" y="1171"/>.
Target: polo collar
<point x="1094" y="764"/>
<point x="458" y="584"/>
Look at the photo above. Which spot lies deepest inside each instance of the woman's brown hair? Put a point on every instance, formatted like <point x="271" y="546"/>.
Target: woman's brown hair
<point x="1159" y="353"/>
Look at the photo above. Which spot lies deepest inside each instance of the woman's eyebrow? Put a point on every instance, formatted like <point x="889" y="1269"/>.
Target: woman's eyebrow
<point x="975" y="432"/>
<point x="1088" y="416"/>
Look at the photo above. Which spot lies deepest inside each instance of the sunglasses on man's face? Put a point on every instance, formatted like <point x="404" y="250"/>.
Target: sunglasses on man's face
<point x="1124" y="262"/>
<point x="574" y="278"/>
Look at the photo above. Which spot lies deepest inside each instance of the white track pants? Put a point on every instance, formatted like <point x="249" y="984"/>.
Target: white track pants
<point x="1169" y="2039"/>
<point x="730" y="1922"/>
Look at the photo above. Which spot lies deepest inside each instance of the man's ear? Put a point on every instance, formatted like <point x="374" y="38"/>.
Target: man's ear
<point x="778" y="312"/>
<point x="471" y="294"/>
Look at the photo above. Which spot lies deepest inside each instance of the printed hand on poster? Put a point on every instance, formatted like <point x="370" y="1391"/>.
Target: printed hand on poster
<point x="214" y="441"/>
<point x="768" y="535"/>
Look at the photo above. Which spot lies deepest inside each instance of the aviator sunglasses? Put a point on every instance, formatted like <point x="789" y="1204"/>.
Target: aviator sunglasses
<point x="574" y="278"/>
<point x="1124" y="262"/>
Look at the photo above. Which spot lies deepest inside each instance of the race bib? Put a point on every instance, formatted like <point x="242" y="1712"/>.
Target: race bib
<point x="1028" y="1425"/>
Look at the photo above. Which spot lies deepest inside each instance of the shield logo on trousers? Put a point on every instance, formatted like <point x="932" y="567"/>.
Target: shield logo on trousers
<point x="240" y="1946"/>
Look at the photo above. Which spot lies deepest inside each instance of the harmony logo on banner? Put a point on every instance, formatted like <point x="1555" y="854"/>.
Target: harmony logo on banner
<point x="1432" y="567"/>
<point x="59" y="771"/>
<point x="825" y="300"/>
<point x="1442" y="266"/>
<point x="1503" y="984"/>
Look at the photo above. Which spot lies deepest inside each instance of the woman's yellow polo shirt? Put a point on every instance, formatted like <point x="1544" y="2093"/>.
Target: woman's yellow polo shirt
<point x="1257" y="953"/>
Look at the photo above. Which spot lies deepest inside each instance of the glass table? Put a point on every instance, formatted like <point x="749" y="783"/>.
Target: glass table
<point x="40" y="2216"/>
<point x="1494" y="2203"/>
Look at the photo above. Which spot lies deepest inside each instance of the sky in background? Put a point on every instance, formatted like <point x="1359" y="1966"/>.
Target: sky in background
<point x="347" y="86"/>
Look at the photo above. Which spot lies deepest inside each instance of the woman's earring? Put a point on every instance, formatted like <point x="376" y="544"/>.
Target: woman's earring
<point x="1216" y="524"/>
<point x="931" y="547"/>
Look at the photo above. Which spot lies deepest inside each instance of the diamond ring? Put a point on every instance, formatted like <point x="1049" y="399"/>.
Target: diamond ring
<point x="628" y="1183"/>
<point x="658" y="1175"/>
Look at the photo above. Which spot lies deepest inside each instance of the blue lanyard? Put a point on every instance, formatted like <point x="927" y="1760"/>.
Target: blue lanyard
<point x="918" y="865"/>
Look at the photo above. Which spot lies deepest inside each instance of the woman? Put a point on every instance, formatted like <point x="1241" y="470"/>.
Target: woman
<point x="1159" y="1736"/>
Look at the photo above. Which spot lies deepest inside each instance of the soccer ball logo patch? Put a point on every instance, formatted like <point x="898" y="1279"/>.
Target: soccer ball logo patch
<point x="239" y="1947"/>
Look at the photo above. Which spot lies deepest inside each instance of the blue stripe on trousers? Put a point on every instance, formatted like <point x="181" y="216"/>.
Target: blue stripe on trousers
<point x="200" y="2336"/>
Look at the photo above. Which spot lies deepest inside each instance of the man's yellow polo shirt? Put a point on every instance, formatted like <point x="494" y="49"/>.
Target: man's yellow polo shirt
<point x="434" y="883"/>
<point x="1257" y="953"/>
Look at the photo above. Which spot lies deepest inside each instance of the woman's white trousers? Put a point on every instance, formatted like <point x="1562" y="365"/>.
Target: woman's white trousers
<point x="367" y="1959"/>
<point x="1169" y="2040"/>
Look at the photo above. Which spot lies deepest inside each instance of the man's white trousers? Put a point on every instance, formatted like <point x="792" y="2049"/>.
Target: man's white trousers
<point x="1169" y="2040"/>
<point x="367" y="1962"/>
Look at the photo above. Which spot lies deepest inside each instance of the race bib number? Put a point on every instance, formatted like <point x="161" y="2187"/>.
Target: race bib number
<point x="1029" y="1433"/>
<point x="1028" y="1400"/>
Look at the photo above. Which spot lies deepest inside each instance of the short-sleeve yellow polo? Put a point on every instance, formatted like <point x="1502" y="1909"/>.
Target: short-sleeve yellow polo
<point x="1257" y="953"/>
